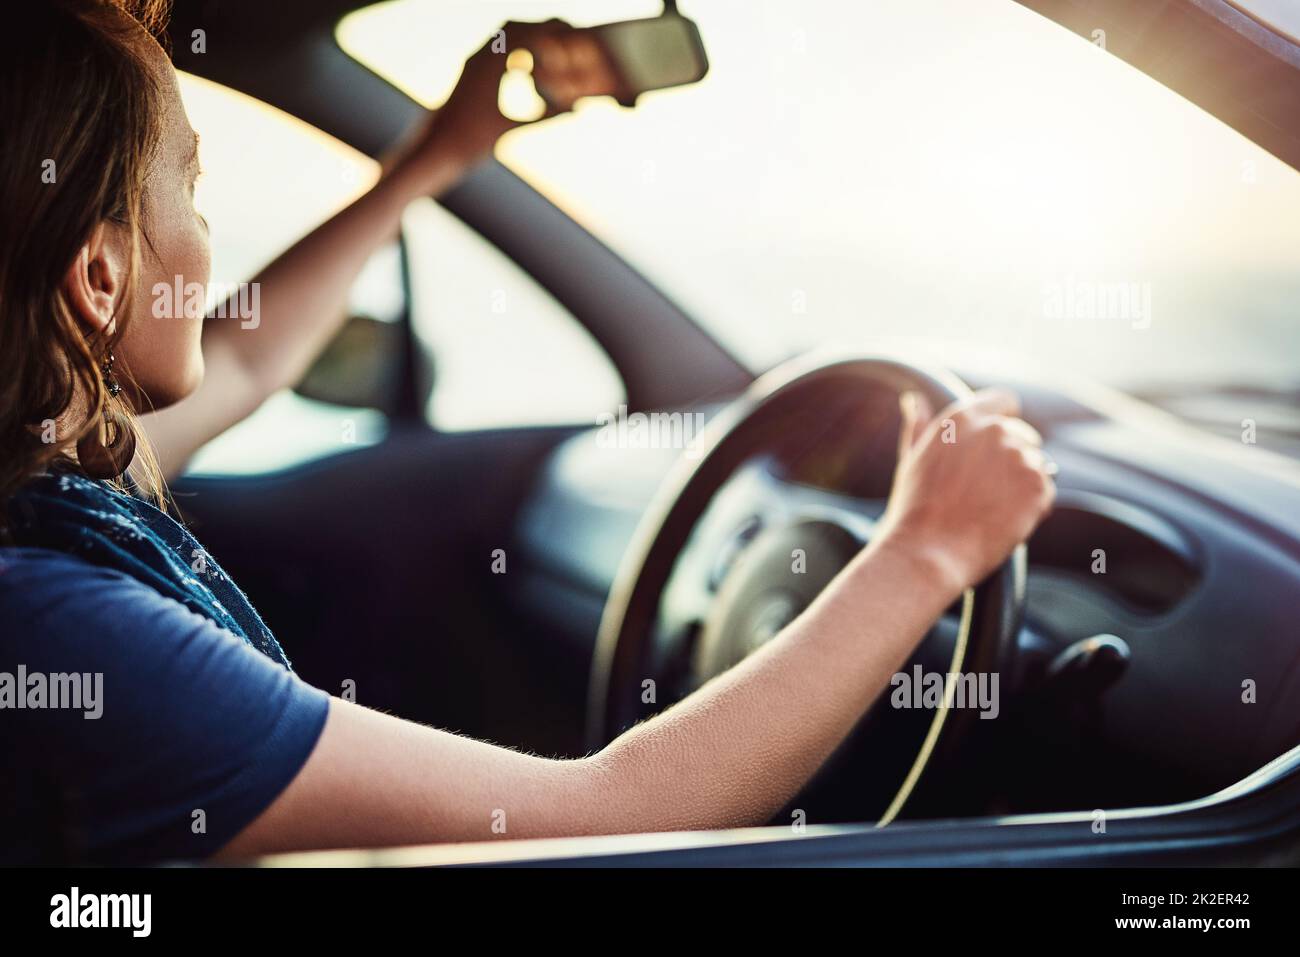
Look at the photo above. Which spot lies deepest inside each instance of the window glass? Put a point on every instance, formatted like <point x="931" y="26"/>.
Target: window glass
<point x="503" y="352"/>
<point x="268" y="178"/>
<point x="961" y="174"/>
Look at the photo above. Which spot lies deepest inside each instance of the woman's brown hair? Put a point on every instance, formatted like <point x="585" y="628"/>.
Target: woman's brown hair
<point x="81" y="117"/>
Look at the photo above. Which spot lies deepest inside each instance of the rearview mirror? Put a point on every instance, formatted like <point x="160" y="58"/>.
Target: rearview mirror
<point x="652" y="54"/>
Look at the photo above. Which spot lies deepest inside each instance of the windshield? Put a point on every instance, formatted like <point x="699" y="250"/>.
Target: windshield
<point x="962" y="172"/>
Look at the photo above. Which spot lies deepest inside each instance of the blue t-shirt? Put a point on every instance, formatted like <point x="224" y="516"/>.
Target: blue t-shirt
<point x="138" y="722"/>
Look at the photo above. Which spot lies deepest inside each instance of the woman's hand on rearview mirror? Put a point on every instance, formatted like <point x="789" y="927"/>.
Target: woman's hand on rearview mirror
<point x="548" y="66"/>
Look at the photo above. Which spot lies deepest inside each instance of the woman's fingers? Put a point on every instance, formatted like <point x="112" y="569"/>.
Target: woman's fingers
<point x="567" y="63"/>
<point x="994" y="401"/>
<point x="916" y="415"/>
<point x="1024" y="431"/>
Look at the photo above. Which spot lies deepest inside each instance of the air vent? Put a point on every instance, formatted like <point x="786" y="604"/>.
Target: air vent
<point x="1140" y="559"/>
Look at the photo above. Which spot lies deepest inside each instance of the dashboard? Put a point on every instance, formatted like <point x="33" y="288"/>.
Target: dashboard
<point x="1178" y="548"/>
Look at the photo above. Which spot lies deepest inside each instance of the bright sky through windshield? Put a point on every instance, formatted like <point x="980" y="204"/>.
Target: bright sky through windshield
<point x="961" y="171"/>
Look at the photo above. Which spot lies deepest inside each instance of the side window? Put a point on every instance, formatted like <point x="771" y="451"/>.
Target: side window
<point x="269" y="179"/>
<point x="503" y="351"/>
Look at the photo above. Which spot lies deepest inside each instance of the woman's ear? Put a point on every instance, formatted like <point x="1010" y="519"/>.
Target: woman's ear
<point x="95" y="281"/>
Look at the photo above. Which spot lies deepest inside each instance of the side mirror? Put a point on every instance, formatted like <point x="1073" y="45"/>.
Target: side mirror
<point x="359" y="368"/>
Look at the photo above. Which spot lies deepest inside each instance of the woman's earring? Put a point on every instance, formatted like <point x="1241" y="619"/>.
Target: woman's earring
<point x="106" y="451"/>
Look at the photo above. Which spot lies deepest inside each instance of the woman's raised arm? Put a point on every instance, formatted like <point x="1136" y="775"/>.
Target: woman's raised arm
<point x="303" y="292"/>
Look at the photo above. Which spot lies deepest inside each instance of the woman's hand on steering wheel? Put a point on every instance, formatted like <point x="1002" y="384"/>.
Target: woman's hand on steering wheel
<point x="972" y="483"/>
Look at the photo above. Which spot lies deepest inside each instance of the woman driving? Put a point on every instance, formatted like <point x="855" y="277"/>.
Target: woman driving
<point x="190" y="735"/>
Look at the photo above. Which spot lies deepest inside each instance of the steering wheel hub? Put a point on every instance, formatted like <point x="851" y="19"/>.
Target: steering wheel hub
<point x="772" y="582"/>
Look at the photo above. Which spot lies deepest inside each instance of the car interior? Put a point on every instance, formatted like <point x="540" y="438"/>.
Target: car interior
<point x="763" y="260"/>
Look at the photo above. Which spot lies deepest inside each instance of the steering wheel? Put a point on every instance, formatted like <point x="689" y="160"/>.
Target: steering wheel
<point x="751" y="605"/>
